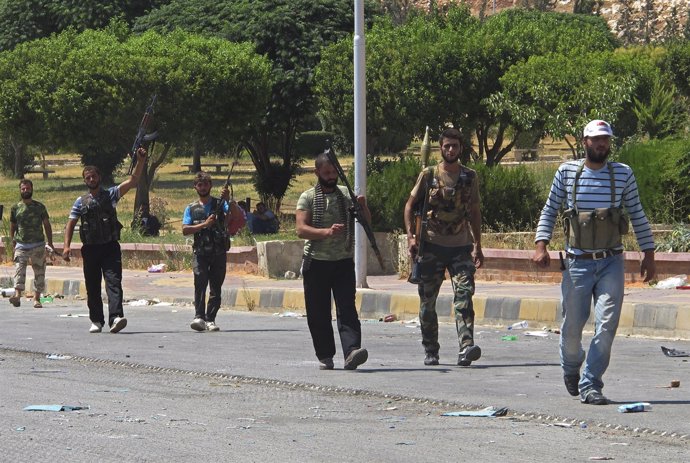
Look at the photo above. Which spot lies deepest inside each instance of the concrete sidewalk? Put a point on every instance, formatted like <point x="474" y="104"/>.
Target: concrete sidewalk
<point x="646" y="311"/>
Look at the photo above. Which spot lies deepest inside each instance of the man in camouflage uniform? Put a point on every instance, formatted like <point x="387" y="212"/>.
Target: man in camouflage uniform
<point x="452" y="242"/>
<point x="323" y="218"/>
<point x="28" y="220"/>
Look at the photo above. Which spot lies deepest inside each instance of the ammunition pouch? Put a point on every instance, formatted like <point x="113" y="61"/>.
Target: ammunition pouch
<point x="601" y="228"/>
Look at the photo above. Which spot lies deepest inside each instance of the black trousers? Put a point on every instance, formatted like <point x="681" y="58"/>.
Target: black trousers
<point x="208" y="271"/>
<point x="321" y="280"/>
<point x="103" y="261"/>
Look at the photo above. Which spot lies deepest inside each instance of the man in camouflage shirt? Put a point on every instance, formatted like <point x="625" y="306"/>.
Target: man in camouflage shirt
<point x="328" y="267"/>
<point x="28" y="220"/>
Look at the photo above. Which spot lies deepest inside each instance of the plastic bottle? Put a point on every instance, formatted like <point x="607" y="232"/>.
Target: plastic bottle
<point x="7" y="292"/>
<point x="519" y="325"/>
<point x="636" y="407"/>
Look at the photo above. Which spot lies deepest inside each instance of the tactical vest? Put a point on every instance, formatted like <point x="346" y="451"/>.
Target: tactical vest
<point x="99" y="224"/>
<point x="601" y="228"/>
<point x="213" y="240"/>
<point x="449" y="204"/>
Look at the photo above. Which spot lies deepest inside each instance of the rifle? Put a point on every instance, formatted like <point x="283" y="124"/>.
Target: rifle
<point x="142" y="135"/>
<point x="219" y="208"/>
<point x="421" y="222"/>
<point x="356" y="209"/>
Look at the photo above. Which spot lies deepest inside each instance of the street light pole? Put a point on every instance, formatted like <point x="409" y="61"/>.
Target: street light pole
<point x="360" y="129"/>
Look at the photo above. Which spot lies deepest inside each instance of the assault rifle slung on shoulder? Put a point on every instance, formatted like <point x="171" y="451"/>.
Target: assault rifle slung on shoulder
<point x="357" y="210"/>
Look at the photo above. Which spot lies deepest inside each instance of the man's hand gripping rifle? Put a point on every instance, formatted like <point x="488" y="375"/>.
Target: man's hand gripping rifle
<point x="142" y="135"/>
<point x="356" y="210"/>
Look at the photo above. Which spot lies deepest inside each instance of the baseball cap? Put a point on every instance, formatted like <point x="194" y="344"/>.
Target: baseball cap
<point x="597" y="127"/>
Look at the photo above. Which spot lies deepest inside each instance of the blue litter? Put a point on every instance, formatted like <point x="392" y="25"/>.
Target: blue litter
<point x="488" y="411"/>
<point x="53" y="408"/>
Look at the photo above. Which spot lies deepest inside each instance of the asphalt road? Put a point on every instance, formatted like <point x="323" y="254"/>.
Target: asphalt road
<point x="159" y="392"/>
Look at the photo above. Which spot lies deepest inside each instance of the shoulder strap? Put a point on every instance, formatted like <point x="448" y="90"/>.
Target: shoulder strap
<point x="609" y="165"/>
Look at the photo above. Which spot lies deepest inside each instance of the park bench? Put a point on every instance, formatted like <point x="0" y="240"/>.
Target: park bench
<point x="39" y="170"/>
<point x="218" y="166"/>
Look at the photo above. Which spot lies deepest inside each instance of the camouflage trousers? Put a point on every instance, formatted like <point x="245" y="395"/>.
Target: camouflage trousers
<point x="458" y="261"/>
<point x="37" y="256"/>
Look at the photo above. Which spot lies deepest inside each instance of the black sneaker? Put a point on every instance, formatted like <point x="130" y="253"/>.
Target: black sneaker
<point x="571" y="384"/>
<point x="468" y="355"/>
<point x="356" y="358"/>
<point x="594" y="398"/>
<point x="431" y="359"/>
<point x="326" y="363"/>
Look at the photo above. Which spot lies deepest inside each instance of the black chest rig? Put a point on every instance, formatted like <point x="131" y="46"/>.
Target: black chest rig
<point x="213" y="240"/>
<point x="99" y="224"/>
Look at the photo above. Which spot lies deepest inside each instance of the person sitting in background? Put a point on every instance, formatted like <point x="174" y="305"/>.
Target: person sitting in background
<point x="247" y="214"/>
<point x="263" y="220"/>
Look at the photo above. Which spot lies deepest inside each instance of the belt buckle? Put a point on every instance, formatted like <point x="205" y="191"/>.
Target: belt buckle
<point x="603" y="254"/>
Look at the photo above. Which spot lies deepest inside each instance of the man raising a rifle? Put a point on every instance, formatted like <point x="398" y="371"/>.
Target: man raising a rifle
<point x="207" y="220"/>
<point x="452" y="241"/>
<point x="100" y="232"/>
<point x="324" y="219"/>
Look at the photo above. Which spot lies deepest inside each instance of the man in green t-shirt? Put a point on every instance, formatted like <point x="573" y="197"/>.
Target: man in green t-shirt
<point x="28" y="220"/>
<point x="323" y="218"/>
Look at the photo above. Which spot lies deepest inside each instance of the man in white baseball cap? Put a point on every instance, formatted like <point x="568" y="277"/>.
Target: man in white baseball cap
<point x="597" y="128"/>
<point x="595" y="192"/>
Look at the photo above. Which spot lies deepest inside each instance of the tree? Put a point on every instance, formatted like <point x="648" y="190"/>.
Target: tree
<point x="291" y="33"/>
<point x="87" y="91"/>
<point x="433" y="71"/>
<point x="557" y="95"/>
<point x="25" y="20"/>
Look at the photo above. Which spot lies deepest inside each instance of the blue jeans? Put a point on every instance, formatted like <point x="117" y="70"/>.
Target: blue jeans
<point x="583" y="281"/>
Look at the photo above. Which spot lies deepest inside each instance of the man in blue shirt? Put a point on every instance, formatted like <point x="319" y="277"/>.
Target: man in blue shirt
<point x="207" y="220"/>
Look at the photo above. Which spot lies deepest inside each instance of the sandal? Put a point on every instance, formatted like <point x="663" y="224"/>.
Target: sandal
<point x="38" y="305"/>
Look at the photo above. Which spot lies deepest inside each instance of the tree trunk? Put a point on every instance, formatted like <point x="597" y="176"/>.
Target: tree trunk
<point x="196" y="161"/>
<point x="142" y="202"/>
<point x="18" y="159"/>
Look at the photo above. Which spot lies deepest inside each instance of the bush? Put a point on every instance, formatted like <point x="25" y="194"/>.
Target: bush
<point x="511" y="197"/>
<point x="388" y="188"/>
<point x="662" y="170"/>
<point x="309" y="144"/>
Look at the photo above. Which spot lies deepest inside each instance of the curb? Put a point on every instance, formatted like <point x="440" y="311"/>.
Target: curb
<point x="643" y="319"/>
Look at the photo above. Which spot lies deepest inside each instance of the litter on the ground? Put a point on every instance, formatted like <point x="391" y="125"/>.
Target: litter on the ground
<point x="672" y="282"/>
<point x="73" y="315"/>
<point x="54" y="408"/>
<point x="538" y="334"/>
<point x="58" y="357"/>
<point x="488" y="411"/>
<point x="390" y="318"/>
<point x="635" y="408"/>
<point x="290" y="315"/>
<point x="157" y="268"/>
<point x="510" y="337"/>
<point x="674" y="352"/>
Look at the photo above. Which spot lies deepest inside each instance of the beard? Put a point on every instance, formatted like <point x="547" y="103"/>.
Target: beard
<point x="328" y="183"/>
<point x="26" y="194"/>
<point x="597" y="158"/>
<point x="449" y="159"/>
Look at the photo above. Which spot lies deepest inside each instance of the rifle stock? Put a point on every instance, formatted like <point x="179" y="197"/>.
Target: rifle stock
<point x="357" y="209"/>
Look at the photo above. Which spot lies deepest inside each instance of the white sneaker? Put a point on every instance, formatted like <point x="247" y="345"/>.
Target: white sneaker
<point x="118" y="324"/>
<point x="211" y="326"/>
<point x="198" y="325"/>
<point x="96" y="328"/>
